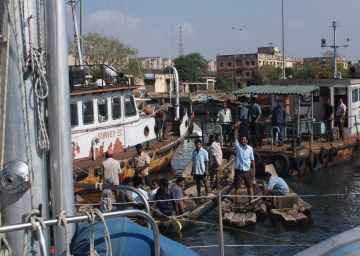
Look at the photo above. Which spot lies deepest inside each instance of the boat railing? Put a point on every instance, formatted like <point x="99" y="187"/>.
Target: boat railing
<point x="99" y="76"/>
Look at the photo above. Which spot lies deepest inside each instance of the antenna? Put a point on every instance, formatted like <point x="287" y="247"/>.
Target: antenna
<point x="181" y="46"/>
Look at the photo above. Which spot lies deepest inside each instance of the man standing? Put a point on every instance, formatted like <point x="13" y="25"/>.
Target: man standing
<point x="216" y="156"/>
<point x="254" y="117"/>
<point x="160" y="119"/>
<point x="225" y="118"/>
<point x="329" y="111"/>
<point x="176" y="192"/>
<point x="243" y="115"/>
<point x="141" y="162"/>
<point x="340" y="117"/>
<point x="200" y="166"/>
<point x="244" y="166"/>
<point x="110" y="169"/>
<point x="278" y="118"/>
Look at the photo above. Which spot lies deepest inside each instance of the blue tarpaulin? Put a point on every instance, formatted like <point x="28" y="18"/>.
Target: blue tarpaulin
<point x="127" y="238"/>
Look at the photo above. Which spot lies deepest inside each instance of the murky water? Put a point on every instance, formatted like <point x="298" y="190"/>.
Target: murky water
<point x="330" y="215"/>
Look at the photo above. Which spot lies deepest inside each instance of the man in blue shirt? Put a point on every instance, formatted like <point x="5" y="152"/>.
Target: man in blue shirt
<point x="276" y="185"/>
<point x="200" y="166"/>
<point x="244" y="166"/>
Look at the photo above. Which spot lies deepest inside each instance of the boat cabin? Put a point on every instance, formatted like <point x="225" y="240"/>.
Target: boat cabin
<point x="104" y="115"/>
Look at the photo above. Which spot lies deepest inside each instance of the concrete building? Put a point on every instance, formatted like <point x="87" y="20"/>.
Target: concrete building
<point x="242" y="66"/>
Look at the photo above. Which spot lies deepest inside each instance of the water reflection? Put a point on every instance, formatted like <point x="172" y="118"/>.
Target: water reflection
<point x="330" y="215"/>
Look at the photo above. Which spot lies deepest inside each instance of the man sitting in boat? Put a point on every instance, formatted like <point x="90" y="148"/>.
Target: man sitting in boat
<point x="176" y="192"/>
<point x="140" y="163"/>
<point x="276" y="185"/>
<point x="160" y="119"/>
<point x="164" y="207"/>
<point x="200" y="166"/>
<point x="244" y="166"/>
<point x="216" y="156"/>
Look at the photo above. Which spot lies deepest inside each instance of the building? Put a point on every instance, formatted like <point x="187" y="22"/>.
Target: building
<point x="242" y="66"/>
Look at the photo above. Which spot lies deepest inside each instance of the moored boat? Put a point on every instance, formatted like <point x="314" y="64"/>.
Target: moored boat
<point x="104" y="117"/>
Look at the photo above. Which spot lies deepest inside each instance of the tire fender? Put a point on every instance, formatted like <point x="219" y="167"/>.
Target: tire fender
<point x="282" y="164"/>
<point x="313" y="162"/>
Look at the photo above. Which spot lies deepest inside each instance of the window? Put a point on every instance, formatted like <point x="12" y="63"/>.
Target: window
<point x="74" y="115"/>
<point x="247" y="63"/>
<point x="102" y="110"/>
<point x="130" y="109"/>
<point x="116" y="107"/>
<point x="252" y="62"/>
<point x="221" y="64"/>
<point x="247" y="74"/>
<point x="229" y="64"/>
<point x="355" y="95"/>
<point x="238" y="74"/>
<point x="88" y="112"/>
<point x="239" y="63"/>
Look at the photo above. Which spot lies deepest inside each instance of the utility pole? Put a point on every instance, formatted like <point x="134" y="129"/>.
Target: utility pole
<point x="283" y="39"/>
<point x="181" y="46"/>
<point x="334" y="47"/>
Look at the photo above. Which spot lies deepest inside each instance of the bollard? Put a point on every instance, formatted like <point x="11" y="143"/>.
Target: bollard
<point x="222" y="252"/>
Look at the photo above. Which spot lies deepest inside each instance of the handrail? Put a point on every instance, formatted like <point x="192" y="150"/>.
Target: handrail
<point x="74" y="219"/>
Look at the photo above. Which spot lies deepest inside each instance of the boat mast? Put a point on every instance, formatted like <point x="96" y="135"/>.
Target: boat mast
<point x="61" y="173"/>
<point x="18" y="129"/>
<point x="76" y="31"/>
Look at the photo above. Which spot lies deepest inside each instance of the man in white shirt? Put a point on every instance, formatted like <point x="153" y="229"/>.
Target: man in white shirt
<point x="216" y="156"/>
<point x="225" y="118"/>
<point x="340" y="117"/>
<point x="110" y="169"/>
<point x="141" y="163"/>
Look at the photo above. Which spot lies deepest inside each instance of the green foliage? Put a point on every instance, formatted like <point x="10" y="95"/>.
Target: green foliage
<point x="133" y="68"/>
<point x="190" y="67"/>
<point x="308" y="70"/>
<point x="266" y="74"/>
<point x="107" y="50"/>
<point x="223" y="81"/>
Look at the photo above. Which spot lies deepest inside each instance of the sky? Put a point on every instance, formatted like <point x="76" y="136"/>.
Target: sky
<point x="214" y="27"/>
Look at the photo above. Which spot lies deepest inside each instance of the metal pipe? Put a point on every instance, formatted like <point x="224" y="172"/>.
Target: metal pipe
<point x="81" y="28"/>
<point x="76" y="31"/>
<point x="334" y="46"/>
<point x="13" y="206"/>
<point x="74" y="219"/>
<point x="283" y="39"/>
<point x="41" y="239"/>
<point x="61" y="175"/>
<point x="177" y="95"/>
<point x="221" y="231"/>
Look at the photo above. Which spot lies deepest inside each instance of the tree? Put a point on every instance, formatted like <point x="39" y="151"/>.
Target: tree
<point x="223" y="81"/>
<point x="265" y="74"/>
<point x="107" y="50"/>
<point x="190" y="67"/>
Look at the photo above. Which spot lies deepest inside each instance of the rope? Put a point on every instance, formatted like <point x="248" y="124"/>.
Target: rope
<point x="92" y="213"/>
<point x="63" y="222"/>
<point x="5" y="246"/>
<point x="33" y="216"/>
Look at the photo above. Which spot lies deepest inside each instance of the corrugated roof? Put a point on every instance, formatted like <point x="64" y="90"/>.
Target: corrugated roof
<point x="278" y="89"/>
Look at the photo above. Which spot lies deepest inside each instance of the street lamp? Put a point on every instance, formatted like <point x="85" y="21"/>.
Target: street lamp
<point x="334" y="46"/>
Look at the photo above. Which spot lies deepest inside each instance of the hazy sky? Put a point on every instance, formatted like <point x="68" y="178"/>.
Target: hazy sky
<point x="225" y="27"/>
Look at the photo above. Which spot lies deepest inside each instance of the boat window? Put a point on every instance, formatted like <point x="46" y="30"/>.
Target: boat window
<point x="355" y="95"/>
<point x="116" y="107"/>
<point x="88" y="112"/>
<point x="74" y="115"/>
<point x="102" y="110"/>
<point x="130" y="109"/>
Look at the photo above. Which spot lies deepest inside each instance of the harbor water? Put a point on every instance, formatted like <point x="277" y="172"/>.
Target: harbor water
<point x="331" y="214"/>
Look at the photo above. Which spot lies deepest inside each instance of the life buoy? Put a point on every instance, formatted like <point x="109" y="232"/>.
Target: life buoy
<point x="324" y="156"/>
<point x="313" y="162"/>
<point x="299" y="164"/>
<point x="281" y="163"/>
<point x="259" y="165"/>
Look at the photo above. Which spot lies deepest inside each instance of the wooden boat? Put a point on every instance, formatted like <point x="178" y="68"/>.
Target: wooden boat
<point x="291" y="209"/>
<point x="104" y="116"/>
<point x="202" y="206"/>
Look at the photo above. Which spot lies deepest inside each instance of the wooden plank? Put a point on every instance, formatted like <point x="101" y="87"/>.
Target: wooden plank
<point x="250" y="218"/>
<point x="228" y="216"/>
<point x="300" y="217"/>
<point x="286" y="217"/>
<point x="238" y="219"/>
